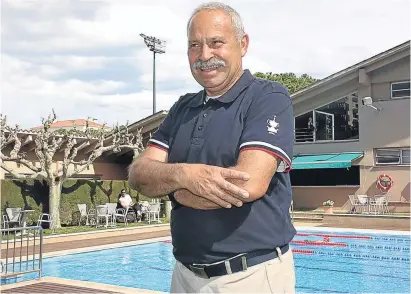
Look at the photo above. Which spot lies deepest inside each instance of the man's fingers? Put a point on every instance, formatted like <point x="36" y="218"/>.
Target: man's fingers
<point x="219" y="201"/>
<point x="234" y="174"/>
<point x="233" y="189"/>
<point x="220" y="194"/>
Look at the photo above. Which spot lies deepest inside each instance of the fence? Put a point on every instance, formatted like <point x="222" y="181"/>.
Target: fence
<point x="21" y="251"/>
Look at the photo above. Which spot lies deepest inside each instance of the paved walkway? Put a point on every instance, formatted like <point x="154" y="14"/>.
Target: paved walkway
<point x="59" y="285"/>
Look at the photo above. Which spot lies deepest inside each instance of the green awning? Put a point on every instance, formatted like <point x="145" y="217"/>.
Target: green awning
<point x="338" y="160"/>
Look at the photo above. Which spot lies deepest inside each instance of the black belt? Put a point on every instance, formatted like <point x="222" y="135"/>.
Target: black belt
<point x="235" y="264"/>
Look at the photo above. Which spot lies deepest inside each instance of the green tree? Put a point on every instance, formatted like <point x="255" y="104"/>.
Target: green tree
<point x="290" y="80"/>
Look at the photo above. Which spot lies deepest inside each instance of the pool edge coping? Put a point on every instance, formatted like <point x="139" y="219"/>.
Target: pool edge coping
<point x="96" y="232"/>
<point x="98" y="248"/>
<point x="371" y="231"/>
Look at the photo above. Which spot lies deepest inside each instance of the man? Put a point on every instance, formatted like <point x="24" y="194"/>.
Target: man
<point x="125" y="201"/>
<point x="223" y="156"/>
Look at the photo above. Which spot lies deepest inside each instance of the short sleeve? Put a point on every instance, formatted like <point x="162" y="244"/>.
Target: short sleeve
<point x="160" y="138"/>
<point x="269" y="126"/>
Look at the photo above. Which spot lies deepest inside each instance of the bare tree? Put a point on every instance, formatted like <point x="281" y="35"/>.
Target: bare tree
<point x="57" y="152"/>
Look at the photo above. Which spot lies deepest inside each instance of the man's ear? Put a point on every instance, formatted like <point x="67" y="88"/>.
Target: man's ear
<point x="244" y="45"/>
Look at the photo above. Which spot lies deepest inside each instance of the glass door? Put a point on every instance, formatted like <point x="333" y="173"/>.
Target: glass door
<point x="324" y="126"/>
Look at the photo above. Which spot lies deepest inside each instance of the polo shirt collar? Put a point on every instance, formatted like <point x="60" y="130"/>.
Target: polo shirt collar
<point x="243" y="82"/>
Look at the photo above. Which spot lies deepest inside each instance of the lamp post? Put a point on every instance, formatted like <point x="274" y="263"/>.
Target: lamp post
<point x="156" y="46"/>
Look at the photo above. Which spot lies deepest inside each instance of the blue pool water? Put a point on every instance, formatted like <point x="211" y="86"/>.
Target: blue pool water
<point x="349" y="262"/>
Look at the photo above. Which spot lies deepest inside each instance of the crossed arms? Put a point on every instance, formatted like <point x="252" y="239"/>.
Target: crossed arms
<point x="203" y="186"/>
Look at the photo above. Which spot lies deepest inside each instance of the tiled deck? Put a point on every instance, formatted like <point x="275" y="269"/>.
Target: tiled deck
<point x="47" y="287"/>
<point x="58" y="285"/>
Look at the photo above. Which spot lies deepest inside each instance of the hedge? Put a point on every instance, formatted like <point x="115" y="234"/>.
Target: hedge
<point x="34" y="194"/>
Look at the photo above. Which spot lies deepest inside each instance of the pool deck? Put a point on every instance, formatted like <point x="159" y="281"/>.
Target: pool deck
<point x="58" y="285"/>
<point x="91" y="241"/>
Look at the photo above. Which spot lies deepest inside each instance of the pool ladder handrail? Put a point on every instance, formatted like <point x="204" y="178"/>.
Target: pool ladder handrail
<point x="23" y="250"/>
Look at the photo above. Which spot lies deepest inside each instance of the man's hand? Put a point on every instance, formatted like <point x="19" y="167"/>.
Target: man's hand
<point x="211" y="183"/>
<point x="186" y="198"/>
<point x="261" y="166"/>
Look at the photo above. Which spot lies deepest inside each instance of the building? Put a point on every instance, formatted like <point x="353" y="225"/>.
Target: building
<point x="110" y="166"/>
<point x="342" y="146"/>
<point x="79" y="124"/>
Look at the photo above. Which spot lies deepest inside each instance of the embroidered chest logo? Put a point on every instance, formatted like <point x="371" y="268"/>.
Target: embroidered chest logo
<point x="272" y="126"/>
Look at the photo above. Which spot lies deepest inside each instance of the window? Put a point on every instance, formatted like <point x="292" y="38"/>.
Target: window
<point x="337" y="120"/>
<point x="304" y="127"/>
<point x="400" y="90"/>
<point x="326" y="177"/>
<point x="405" y="156"/>
<point x="395" y="156"/>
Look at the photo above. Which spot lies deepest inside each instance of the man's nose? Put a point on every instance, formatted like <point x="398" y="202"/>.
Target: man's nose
<point x="206" y="53"/>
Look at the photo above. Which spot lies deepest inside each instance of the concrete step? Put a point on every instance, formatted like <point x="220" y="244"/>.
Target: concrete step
<point x="309" y="215"/>
<point x="307" y="219"/>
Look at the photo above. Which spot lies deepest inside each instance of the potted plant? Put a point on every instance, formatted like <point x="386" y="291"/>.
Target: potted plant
<point x="328" y="206"/>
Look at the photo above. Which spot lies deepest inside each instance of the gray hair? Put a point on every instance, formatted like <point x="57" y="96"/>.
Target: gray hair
<point x="236" y="20"/>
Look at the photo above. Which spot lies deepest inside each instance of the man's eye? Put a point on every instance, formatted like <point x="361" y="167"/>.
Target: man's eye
<point x="193" y="45"/>
<point x="217" y="43"/>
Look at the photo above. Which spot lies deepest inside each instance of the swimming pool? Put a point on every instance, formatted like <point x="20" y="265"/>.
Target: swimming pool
<point x="337" y="261"/>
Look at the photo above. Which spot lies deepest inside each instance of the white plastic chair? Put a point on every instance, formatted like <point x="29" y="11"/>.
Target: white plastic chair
<point x="380" y="204"/>
<point x="13" y="216"/>
<point x="154" y="210"/>
<point x="122" y="213"/>
<point x="45" y="218"/>
<point x="112" y="210"/>
<point x="83" y="213"/>
<point x="363" y="202"/>
<point x="102" y="212"/>
<point x="354" y="202"/>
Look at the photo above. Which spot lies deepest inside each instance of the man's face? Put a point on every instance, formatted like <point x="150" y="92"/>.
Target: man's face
<point x="214" y="52"/>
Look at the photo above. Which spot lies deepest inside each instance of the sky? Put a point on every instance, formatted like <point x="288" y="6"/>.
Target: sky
<point x="85" y="58"/>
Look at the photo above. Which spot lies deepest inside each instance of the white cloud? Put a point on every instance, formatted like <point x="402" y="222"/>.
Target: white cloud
<point x="32" y="78"/>
<point x="73" y="62"/>
<point x="86" y="58"/>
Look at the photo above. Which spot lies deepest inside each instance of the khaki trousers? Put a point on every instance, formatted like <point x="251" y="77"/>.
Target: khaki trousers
<point x="273" y="276"/>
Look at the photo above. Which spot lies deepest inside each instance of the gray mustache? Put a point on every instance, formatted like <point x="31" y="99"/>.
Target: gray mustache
<point x="211" y="63"/>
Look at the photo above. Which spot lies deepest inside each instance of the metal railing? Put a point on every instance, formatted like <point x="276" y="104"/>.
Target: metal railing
<point x="304" y="135"/>
<point x="21" y="251"/>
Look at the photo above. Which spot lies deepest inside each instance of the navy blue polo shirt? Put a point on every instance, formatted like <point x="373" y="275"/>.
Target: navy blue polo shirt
<point x="253" y="114"/>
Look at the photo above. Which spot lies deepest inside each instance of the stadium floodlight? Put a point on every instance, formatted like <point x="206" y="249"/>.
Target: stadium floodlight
<point x="157" y="46"/>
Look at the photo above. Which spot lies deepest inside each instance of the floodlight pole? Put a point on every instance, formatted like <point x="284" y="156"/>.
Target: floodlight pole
<point x="154" y="81"/>
<point x="156" y="46"/>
